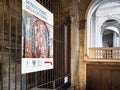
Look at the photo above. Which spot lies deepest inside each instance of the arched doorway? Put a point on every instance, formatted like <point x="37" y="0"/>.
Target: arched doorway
<point x="100" y="14"/>
<point x="110" y="33"/>
<point x="107" y="38"/>
<point x="103" y="38"/>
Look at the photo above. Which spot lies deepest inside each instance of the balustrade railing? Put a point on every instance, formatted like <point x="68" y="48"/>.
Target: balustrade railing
<point x="104" y="53"/>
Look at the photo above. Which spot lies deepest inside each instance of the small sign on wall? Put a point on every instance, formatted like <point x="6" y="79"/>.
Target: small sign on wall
<point x="66" y="79"/>
<point x="37" y="37"/>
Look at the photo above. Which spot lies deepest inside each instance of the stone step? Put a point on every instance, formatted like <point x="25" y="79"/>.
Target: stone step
<point x="40" y="89"/>
<point x="70" y="88"/>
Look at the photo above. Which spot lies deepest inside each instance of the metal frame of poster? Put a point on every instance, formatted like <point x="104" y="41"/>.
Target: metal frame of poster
<point x="37" y="37"/>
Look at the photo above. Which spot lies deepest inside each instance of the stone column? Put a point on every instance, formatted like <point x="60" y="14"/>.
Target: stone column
<point x="74" y="53"/>
<point x="74" y="44"/>
<point x="82" y="55"/>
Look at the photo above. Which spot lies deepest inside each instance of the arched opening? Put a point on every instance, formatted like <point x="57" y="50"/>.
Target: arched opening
<point x="107" y="39"/>
<point x="110" y="33"/>
<point x="103" y="45"/>
<point x="98" y="14"/>
<point x="103" y="17"/>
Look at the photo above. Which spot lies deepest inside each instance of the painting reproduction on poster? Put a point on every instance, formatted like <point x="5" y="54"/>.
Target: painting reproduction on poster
<point x="37" y="37"/>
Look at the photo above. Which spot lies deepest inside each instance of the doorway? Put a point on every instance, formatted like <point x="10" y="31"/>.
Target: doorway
<point x="107" y="39"/>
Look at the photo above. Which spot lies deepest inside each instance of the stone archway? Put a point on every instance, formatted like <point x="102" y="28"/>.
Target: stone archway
<point x="96" y="16"/>
<point x="100" y="22"/>
<point x="110" y="33"/>
<point x="107" y="38"/>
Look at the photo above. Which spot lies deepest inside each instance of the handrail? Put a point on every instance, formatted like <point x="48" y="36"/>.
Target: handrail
<point x="109" y="48"/>
<point x="53" y="81"/>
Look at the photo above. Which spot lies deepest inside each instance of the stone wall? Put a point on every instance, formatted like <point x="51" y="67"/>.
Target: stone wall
<point x="10" y="47"/>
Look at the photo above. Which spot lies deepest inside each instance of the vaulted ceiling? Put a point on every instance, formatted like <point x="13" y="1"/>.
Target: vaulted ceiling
<point x="82" y="6"/>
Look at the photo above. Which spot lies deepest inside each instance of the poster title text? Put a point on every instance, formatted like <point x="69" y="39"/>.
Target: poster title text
<point x="33" y="8"/>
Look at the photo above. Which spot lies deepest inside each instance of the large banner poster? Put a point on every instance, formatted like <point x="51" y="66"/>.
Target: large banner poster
<point x="37" y="37"/>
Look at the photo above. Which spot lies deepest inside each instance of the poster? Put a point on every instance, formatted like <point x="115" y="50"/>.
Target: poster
<point x="37" y="37"/>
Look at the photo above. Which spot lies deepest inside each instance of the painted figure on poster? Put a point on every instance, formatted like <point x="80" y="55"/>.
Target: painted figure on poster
<point x="41" y="41"/>
<point x="38" y="38"/>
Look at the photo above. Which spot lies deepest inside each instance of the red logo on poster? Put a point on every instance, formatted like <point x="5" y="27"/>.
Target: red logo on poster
<point x="48" y="62"/>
